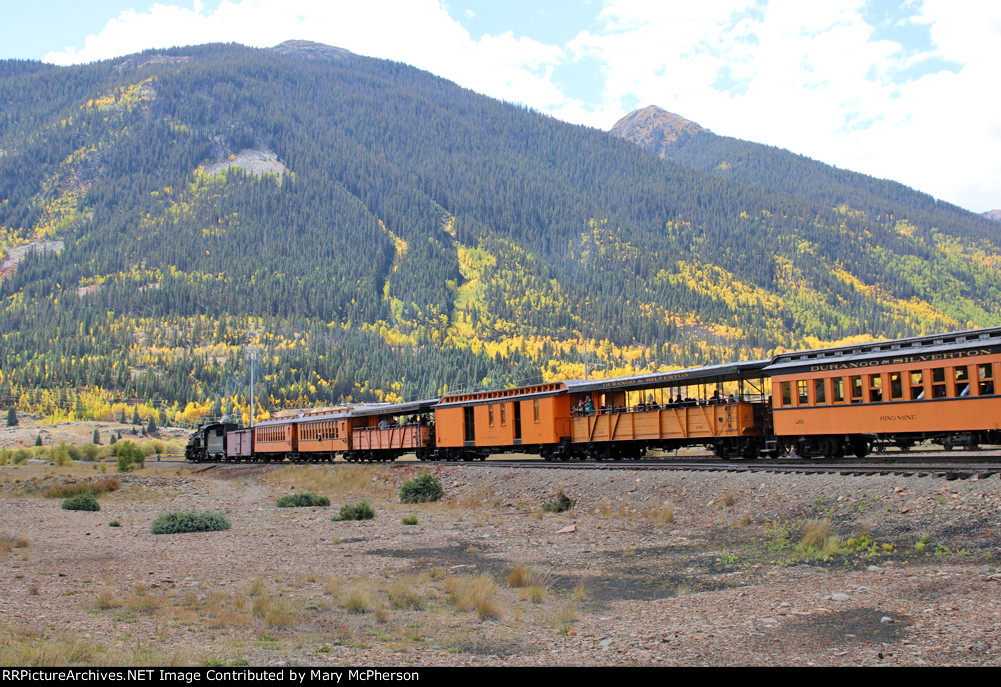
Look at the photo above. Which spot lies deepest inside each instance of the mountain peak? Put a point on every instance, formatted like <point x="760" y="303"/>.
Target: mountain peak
<point x="654" y="128"/>
<point x="312" y="50"/>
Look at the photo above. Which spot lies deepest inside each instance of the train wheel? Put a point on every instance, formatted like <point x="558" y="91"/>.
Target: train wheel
<point x="860" y="447"/>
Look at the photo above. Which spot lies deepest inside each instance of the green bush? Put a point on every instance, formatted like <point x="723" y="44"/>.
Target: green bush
<point x="60" y="456"/>
<point x="560" y="504"/>
<point x="302" y="499"/>
<point x="20" y="456"/>
<point x="189" y="521"/>
<point x="129" y="456"/>
<point x="85" y="501"/>
<point x="409" y="520"/>
<point x="423" y="488"/>
<point x="114" y="523"/>
<point x="358" y="511"/>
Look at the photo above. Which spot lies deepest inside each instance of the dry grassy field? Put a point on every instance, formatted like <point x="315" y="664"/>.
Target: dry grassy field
<point x="645" y="568"/>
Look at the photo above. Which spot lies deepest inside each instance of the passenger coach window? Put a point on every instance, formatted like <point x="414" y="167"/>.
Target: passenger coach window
<point x="917" y="385"/>
<point x="786" y="389"/>
<point x="938" y="382"/>
<point x="986" y="373"/>
<point x="818" y="391"/>
<point x="536" y="408"/>
<point x="503" y="407"/>
<point x="875" y="388"/>
<point x="896" y="386"/>
<point x="855" y="382"/>
<point x="801" y="389"/>
<point x="838" y="390"/>
<point x="962" y="387"/>
<point x="490" y="415"/>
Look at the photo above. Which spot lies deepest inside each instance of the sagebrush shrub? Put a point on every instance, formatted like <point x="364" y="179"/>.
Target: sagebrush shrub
<point x="423" y="488"/>
<point x="358" y="511"/>
<point x="302" y="499"/>
<point x="84" y="501"/>
<point x="560" y="504"/>
<point x="189" y="521"/>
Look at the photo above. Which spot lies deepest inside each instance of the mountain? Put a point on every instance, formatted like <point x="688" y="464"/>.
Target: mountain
<point x="672" y="137"/>
<point x="994" y="215"/>
<point x="655" y="129"/>
<point x="377" y="232"/>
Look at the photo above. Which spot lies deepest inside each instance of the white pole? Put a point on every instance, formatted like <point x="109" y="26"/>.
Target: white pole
<point x="253" y="357"/>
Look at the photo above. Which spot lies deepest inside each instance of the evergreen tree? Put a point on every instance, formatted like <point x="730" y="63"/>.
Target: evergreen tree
<point x="97" y="437"/>
<point x="121" y="418"/>
<point x="136" y="420"/>
<point x="112" y="440"/>
<point x="38" y="440"/>
<point x="12" y="417"/>
<point x="151" y="427"/>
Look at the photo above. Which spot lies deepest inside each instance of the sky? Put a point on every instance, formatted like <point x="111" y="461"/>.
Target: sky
<point x="900" y="90"/>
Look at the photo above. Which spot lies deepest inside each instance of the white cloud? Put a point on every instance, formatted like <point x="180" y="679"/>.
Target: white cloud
<point x="811" y="78"/>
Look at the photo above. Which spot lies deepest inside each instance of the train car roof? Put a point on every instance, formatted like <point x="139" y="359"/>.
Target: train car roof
<point x="409" y="408"/>
<point x="303" y="417"/>
<point x="472" y="398"/>
<point x="714" y="373"/>
<point x="911" y="349"/>
<point x="729" y="372"/>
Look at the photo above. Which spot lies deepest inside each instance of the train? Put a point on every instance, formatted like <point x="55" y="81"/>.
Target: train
<point x="823" y="403"/>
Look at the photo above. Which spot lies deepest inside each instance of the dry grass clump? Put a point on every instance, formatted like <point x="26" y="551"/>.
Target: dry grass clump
<point x="520" y="576"/>
<point x="535" y="593"/>
<point x="142" y="602"/>
<point x="819" y="538"/>
<point x="663" y="515"/>
<point x="532" y="584"/>
<point x="276" y="611"/>
<point x="481" y="498"/>
<point x="741" y="521"/>
<point x="473" y="593"/>
<point x="9" y="542"/>
<point x="727" y="499"/>
<point x="370" y="480"/>
<point x="607" y="510"/>
<point x="333" y="585"/>
<point x="404" y="594"/>
<point x="257" y="587"/>
<point x="360" y="597"/>
<point x="815" y="532"/>
<point x="23" y="646"/>
<point x="107" y="600"/>
<point x="98" y="488"/>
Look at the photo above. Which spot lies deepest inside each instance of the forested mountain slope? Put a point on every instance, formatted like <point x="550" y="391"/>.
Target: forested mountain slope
<point x="378" y="232"/>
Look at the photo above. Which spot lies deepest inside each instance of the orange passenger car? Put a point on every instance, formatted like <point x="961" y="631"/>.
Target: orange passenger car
<point x="530" y="419"/>
<point x="850" y="399"/>
<point x="383" y="432"/>
<point x="275" y="439"/>
<point x="721" y="406"/>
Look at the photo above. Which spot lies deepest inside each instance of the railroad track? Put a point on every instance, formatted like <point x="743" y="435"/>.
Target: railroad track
<point x="934" y="464"/>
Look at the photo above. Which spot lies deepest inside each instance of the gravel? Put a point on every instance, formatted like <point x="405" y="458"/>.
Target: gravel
<point x="725" y="582"/>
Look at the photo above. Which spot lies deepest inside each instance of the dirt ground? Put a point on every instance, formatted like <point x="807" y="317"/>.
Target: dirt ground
<point x="29" y="427"/>
<point x="647" y="568"/>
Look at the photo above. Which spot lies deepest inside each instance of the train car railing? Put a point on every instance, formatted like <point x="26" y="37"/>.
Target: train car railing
<point x="392" y="438"/>
<point x="667" y="422"/>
